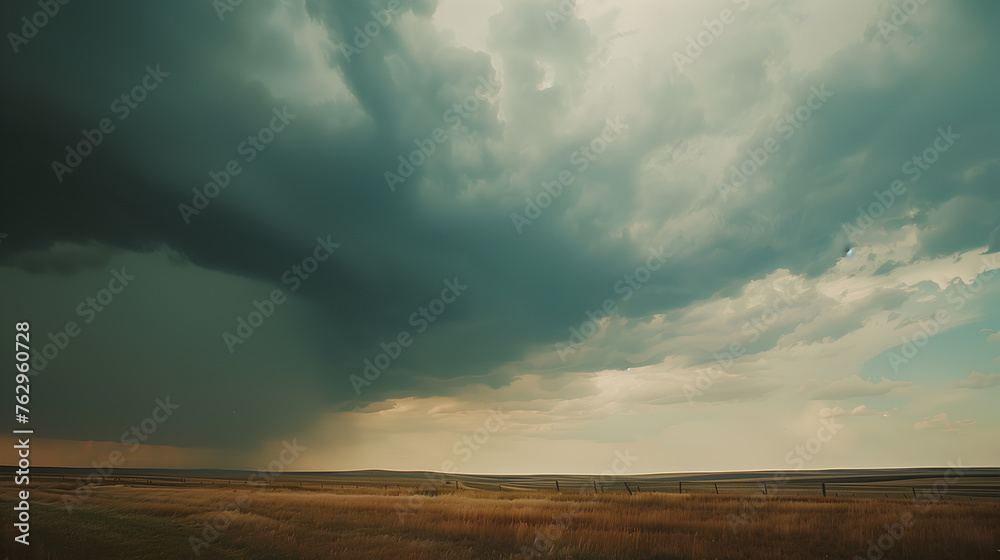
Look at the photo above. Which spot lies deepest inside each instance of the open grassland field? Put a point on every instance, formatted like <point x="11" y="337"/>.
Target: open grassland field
<point x="405" y="515"/>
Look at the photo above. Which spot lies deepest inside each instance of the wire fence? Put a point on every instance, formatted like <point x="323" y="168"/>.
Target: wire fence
<point x="972" y="489"/>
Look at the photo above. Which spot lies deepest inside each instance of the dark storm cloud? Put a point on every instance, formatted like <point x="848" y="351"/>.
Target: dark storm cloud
<point x="63" y="259"/>
<point x="314" y="180"/>
<point x="324" y="176"/>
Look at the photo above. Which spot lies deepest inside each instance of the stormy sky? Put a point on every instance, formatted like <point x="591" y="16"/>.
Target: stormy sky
<point x="696" y="232"/>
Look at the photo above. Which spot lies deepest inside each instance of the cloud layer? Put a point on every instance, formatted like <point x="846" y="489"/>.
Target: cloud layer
<point x="824" y="181"/>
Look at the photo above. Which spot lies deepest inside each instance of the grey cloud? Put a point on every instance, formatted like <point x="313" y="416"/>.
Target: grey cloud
<point x="324" y="176"/>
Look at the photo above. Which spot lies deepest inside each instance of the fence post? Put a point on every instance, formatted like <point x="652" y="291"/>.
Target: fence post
<point x="716" y="488"/>
<point x="557" y="486"/>
<point x="765" y="489"/>
<point x="595" y="486"/>
<point x="627" y="488"/>
<point x="680" y="488"/>
<point x="824" y="489"/>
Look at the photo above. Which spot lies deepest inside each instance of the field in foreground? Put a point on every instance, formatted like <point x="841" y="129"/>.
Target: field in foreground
<point x="147" y="522"/>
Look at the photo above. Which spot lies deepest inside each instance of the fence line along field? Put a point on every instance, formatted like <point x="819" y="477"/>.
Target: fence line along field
<point x="383" y="514"/>
<point x="974" y="484"/>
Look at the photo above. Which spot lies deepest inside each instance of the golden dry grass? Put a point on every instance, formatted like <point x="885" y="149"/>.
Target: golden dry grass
<point x="157" y="522"/>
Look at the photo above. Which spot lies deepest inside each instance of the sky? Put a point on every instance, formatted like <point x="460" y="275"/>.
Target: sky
<point x="506" y="236"/>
